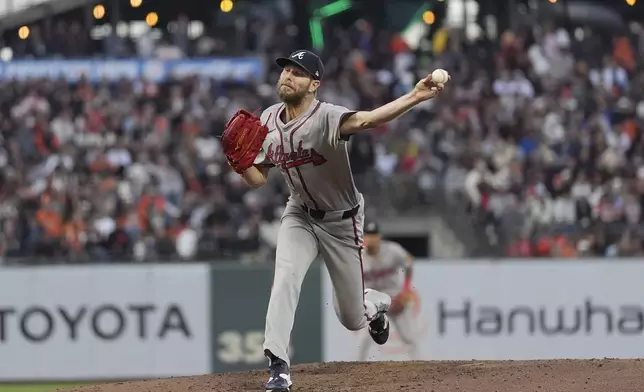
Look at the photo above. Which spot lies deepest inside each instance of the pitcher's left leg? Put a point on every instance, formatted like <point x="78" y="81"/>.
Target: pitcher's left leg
<point x="356" y="306"/>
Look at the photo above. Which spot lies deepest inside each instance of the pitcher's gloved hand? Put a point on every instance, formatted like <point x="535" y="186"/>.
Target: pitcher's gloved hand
<point x="242" y="140"/>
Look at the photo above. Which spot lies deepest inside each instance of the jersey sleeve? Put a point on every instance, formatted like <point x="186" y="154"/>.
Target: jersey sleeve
<point x="262" y="160"/>
<point x="332" y="117"/>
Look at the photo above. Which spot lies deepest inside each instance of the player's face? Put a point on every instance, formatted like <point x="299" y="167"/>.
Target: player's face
<point x="372" y="243"/>
<point x="294" y="84"/>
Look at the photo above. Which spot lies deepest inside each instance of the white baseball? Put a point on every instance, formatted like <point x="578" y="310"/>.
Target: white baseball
<point x="440" y="76"/>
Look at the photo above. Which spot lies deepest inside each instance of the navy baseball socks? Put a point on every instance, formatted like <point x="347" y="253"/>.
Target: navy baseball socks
<point x="279" y="374"/>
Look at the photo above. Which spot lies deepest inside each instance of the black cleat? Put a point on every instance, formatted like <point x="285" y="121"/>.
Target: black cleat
<point x="379" y="329"/>
<point x="280" y="376"/>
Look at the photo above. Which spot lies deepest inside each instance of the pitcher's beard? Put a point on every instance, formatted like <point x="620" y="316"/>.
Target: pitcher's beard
<point x="291" y="99"/>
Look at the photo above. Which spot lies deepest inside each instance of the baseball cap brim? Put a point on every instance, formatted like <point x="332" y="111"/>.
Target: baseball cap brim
<point x="284" y="61"/>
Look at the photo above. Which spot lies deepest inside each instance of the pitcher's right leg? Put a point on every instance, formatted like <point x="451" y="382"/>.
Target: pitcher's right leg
<point x="296" y="249"/>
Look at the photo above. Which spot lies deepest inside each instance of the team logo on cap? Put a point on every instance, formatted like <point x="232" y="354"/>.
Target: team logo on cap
<point x="299" y="55"/>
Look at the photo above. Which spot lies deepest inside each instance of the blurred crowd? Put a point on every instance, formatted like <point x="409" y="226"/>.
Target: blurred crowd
<point x="134" y="171"/>
<point x="552" y="162"/>
<point x="536" y="141"/>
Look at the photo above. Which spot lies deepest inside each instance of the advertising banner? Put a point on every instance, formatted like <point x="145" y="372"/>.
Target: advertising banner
<point x="520" y="309"/>
<point x="104" y="322"/>
<point x="239" y="303"/>
<point x="240" y="69"/>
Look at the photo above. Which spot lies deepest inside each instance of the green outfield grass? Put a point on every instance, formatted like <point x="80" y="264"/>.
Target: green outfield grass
<point x="37" y="387"/>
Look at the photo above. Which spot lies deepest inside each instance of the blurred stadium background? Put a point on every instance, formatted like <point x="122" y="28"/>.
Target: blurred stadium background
<point x="121" y="227"/>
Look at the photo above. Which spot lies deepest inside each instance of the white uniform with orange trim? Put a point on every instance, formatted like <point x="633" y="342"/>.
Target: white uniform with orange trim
<point x="324" y="215"/>
<point x="385" y="272"/>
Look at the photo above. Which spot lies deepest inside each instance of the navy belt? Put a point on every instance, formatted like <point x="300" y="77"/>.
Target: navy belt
<point x="319" y="214"/>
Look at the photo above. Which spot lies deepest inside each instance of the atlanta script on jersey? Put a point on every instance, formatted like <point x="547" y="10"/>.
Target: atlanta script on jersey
<point x="312" y="156"/>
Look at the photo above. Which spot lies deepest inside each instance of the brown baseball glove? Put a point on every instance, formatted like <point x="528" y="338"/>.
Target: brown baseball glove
<point x="401" y="301"/>
<point x="242" y="140"/>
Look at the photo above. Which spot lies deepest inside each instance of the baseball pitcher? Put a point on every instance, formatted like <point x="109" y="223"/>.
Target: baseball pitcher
<point x="383" y="263"/>
<point x="305" y="139"/>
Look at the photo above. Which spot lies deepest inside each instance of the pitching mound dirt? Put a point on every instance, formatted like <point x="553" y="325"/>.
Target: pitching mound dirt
<point x="508" y="376"/>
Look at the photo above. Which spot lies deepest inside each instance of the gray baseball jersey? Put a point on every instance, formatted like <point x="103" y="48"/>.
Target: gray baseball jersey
<point x="313" y="159"/>
<point x="384" y="271"/>
<point x="312" y="156"/>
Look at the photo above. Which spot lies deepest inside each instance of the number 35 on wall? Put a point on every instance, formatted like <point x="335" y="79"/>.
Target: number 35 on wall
<point x="237" y="347"/>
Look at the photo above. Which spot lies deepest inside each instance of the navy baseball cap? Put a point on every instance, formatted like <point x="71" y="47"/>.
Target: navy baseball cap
<point x="371" y="228"/>
<point x="306" y="60"/>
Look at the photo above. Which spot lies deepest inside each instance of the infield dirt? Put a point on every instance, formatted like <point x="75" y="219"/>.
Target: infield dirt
<point x="606" y="375"/>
